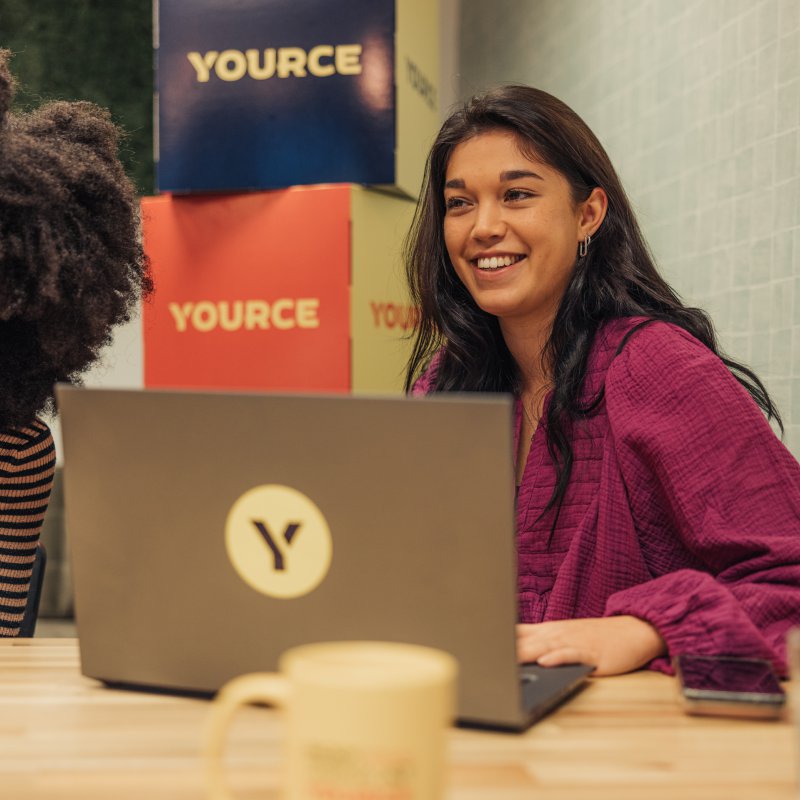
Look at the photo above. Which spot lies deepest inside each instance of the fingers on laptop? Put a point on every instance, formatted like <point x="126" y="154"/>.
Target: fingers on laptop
<point x="613" y="645"/>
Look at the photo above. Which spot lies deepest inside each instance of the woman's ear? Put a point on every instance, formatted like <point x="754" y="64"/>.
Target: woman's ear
<point x="591" y="213"/>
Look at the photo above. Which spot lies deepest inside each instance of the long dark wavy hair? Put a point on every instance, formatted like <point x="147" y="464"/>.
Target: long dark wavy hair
<point x="617" y="277"/>
<point x="71" y="259"/>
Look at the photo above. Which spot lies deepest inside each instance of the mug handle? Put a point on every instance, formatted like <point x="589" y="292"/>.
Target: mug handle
<point x="267" y="687"/>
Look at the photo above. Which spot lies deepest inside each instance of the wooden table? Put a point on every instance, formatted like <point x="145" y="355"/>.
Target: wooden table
<point x="67" y="737"/>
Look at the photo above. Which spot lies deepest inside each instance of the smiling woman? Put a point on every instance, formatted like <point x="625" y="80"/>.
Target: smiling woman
<point x="657" y="512"/>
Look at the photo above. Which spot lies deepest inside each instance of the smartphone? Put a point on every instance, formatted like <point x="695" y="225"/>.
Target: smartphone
<point x="731" y="687"/>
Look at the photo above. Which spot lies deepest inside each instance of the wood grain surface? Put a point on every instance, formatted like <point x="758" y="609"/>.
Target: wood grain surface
<point x="625" y="738"/>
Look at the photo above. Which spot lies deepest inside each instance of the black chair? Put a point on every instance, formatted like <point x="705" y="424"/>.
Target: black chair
<point x="28" y="626"/>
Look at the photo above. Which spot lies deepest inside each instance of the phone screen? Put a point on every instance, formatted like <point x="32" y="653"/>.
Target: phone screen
<point x="739" y="675"/>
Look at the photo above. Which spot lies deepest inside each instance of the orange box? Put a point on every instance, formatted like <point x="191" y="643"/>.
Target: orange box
<point x="284" y="290"/>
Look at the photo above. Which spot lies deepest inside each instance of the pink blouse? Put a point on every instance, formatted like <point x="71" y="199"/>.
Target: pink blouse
<point x="683" y="507"/>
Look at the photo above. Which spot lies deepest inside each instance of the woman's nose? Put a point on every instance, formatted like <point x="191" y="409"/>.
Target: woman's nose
<point x="489" y="223"/>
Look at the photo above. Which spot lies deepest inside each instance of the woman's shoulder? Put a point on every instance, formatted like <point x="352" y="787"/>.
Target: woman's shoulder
<point x="29" y="446"/>
<point x="634" y="335"/>
<point x="623" y="344"/>
<point x="661" y="366"/>
<point x="642" y="346"/>
<point x="425" y="383"/>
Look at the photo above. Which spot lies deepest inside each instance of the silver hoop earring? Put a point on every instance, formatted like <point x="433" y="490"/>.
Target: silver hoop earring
<point x="583" y="247"/>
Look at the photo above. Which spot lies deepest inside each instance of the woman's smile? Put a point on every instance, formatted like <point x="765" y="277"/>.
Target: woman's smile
<point x="494" y="263"/>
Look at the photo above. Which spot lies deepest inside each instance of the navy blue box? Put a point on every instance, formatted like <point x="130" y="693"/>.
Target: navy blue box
<point x="262" y="94"/>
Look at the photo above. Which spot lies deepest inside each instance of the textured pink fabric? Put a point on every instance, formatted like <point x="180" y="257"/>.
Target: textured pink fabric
<point x="683" y="507"/>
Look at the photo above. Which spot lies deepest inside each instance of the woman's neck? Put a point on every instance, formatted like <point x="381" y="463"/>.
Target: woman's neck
<point x="526" y="342"/>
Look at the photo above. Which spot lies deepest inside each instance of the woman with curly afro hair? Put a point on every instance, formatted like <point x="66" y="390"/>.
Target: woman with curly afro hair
<point x="71" y="268"/>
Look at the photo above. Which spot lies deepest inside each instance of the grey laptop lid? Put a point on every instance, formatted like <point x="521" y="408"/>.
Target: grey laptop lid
<point x="210" y="532"/>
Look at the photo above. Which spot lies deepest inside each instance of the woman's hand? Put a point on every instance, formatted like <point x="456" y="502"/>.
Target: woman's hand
<point x="613" y="645"/>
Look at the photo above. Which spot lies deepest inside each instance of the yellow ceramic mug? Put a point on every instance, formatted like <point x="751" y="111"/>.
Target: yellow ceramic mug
<point x="363" y="719"/>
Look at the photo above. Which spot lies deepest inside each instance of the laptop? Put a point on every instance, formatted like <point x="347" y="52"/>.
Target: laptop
<point x="209" y="532"/>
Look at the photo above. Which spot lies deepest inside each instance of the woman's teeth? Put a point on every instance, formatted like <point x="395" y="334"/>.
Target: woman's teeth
<point x="497" y="263"/>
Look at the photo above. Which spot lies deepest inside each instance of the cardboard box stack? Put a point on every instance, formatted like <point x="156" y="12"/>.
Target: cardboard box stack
<point x="275" y="266"/>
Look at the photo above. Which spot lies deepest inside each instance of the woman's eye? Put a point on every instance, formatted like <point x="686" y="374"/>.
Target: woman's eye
<point x="518" y="194"/>
<point x="454" y="203"/>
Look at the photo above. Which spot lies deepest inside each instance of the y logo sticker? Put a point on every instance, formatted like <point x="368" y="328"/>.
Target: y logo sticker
<point x="288" y="535"/>
<point x="278" y="541"/>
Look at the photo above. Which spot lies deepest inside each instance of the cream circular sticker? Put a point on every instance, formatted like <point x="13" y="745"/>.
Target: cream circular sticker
<point x="278" y="541"/>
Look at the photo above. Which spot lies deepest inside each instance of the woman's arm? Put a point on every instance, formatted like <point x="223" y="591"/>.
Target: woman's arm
<point x="692" y="444"/>
<point x="27" y="464"/>
<point x="703" y="473"/>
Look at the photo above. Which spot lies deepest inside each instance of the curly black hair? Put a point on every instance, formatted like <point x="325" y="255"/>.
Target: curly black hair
<point x="71" y="259"/>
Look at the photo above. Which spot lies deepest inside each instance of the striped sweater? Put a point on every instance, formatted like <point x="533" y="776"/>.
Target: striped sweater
<point x="27" y="464"/>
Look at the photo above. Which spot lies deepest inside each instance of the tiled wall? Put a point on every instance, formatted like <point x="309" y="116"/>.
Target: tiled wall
<point x="698" y="105"/>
